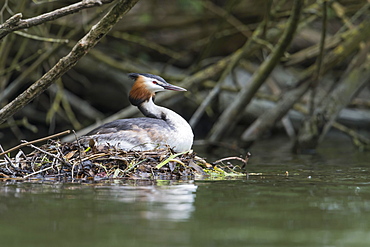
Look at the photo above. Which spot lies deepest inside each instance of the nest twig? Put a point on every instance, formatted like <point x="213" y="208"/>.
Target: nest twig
<point x="66" y="161"/>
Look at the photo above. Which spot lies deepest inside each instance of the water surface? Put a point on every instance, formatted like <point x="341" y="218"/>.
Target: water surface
<point x="299" y="200"/>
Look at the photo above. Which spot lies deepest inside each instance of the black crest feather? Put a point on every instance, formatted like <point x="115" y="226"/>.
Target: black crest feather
<point x="134" y="76"/>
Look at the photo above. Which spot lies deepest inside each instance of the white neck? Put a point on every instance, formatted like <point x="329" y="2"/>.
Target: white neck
<point x="174" y="120"/>
<point x="182" y="130"/>
<point x="149" y="109"/>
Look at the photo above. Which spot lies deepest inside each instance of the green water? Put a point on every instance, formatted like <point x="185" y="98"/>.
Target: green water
<point x="324" y="201"/>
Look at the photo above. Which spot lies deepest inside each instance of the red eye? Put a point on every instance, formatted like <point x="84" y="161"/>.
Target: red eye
<point x="154" y="82"/>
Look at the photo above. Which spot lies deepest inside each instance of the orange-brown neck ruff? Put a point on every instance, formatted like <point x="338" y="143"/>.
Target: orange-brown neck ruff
<point x="139" y="93"/>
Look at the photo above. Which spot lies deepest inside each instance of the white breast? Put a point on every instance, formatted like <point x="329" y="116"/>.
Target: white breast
<point x="182" y="136"/>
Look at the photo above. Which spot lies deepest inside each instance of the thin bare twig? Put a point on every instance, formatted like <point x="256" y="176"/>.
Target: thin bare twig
<point x="245" y="161"/>
<point x="39" y="171"/>
<point x="48" y="153"/>
<point x="147" y="43"/>
<point x="16" y="23"/>
<point x="79" y="151"/>
<point x="229" y="18"/>
<point x="8" y="161"/>
<point x="82" y="47"/>
<point x="34" y="141"/>
<point x="229" y="158"/>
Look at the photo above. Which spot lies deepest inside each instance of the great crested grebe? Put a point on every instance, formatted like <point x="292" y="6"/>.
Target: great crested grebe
<point x="159" y="128"/>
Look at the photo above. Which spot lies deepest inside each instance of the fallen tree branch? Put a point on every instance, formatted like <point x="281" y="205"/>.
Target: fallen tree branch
<point x="82" y="107"/>
<point x="232" y="114"/>
<point x="19" y="81"/>
<point x="232" y="20"/>
<point x="318" y="72"/>
<point x="268" y="119"/>
<point x="315" y="128"/>
<point x="16" y="23"/>
<point x="82" y="47"/>
<point x="246" y="50"/>
<point x="12" y="88"/>
<point x="358" y="140"/>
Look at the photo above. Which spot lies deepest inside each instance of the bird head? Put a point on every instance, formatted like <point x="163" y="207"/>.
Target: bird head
<point x="146" y="85"/>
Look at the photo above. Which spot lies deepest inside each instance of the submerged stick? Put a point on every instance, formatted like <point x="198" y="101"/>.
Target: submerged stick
<point x="245" y="161"/>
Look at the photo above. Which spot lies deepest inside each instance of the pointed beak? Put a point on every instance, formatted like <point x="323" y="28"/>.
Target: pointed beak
<point x="173" y="88"/>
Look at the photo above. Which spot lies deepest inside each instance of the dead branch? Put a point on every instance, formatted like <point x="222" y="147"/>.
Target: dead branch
<point x="330" y="42"/>
<point x="83" y="107"/>
<point x="360" y="141"/>
<point x="250" y="46"/>
<point x="12" y="88"/>
<point x="148" y="44"/>
<point x="246" y="50"/>
<point x="232" y="114"/>
<point x="82" y="47"/>
<point x="341" y="52"/>
<point x="320" y="58"/>
<point x="16" y="23"/>
<point x="313" y="51"/>
<point x="339" y="11"/>
<point x="229" y="18"/>
<point x="120" y="65"/>
<point x="315" y="128"/>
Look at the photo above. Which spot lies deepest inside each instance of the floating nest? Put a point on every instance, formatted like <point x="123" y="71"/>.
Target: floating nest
<point x="68" y="161"/>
